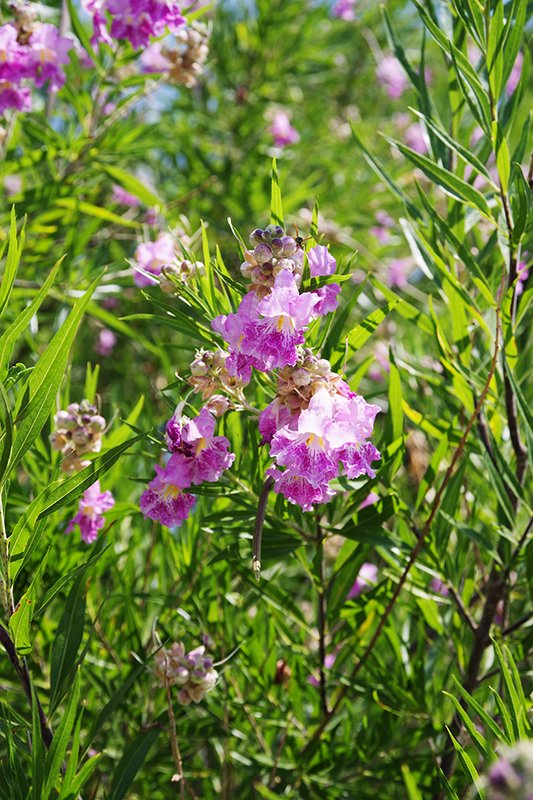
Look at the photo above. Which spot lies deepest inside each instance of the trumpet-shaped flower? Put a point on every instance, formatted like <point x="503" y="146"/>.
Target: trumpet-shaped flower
<point x="92" y="506"/>
<point x="194" y="438"/>
<point x="321" y="262"/>
<point x="165" y="500"/>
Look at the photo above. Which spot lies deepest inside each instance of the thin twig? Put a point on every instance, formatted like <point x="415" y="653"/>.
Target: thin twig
<point x="258" y="527"/>
<point x="420" y="543"/>
<point x="321" y="618"/>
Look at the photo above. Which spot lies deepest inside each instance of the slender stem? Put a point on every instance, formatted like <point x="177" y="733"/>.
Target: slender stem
<point x="176" y="754"/>
<point x="21" y="668"/>
<point x="321" y="617"/>
<point x="420" y="543"/>
<point x="258" y="527"/>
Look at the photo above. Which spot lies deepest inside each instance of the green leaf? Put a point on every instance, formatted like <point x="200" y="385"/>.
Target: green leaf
<point x="503" y="158"/>
<point x="67" y="640"/>
<point x="467" y="763"/>
<point x="410" y="785"/>
<point x="6" y="438"/>
<point x="74" y="204"/>
<point x="362" y="332"/>
<point x="58" y="748"/>
<point x="453" y="185"/>
<point x="37" y="398"/>
<point x="477" y="738"/>
<point x="131" y="184"/>
<point x="276" y="206"/>
<point x="130" y="763"/>
<point x="14" y="253"/>
<point x="37" y="750"/>
<point x="82" y="35"/>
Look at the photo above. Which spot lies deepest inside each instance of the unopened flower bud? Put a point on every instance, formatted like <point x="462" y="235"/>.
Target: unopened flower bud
<point x="256" y="236"/>
<point x="97" y="424"/>
<point x="199" y="368"/>
<point x="301" y="377"/>
<point x="277" y="246"/>
<point x="81" y="437"/>
<point x="289" y="246"/>
<point x="218" y="405"/>
<point x="322" y="367"/>
<point x="219" y="359"/>
<point x="274" y="231"/>
<point x="262" y="253"/>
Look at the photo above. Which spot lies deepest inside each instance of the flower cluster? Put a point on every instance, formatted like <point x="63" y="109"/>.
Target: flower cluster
<point x="273" y="316"/>
<point x="281" y="130"/>
<point x="78" y="432"/>
<point x="134" y="20"/>
<point x="33" y="52"/>
<point x="344" y="9"/>
<point x="315" y="424"/>
<point x="184" y="60"/>
<point x="192" y="672"/>
<point x="315" y="427"/>
<point x="196" y="456"/>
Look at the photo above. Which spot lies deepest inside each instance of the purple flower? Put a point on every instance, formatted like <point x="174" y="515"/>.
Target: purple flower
<point x="391" y="76"/>
<point x="194" y="439"/>
<point x="439" y="587"/>
<point x="321" y="262"/>
<point x="264" y="333"/>
<point x="12" y="96"/>
<point x="369" y="500"/>
<point x="106" y="342"/>
<point x="89" y="518"/>
<point x="273" y="417"/>
<point x="164" y="500"/>
<point x="516" y="73"/>
<point x="415" y="138"/>
<point x="282" y="131"/>
<point x="399" y="271"/>
<point x="344" y="9"/>
<point x="522" y="276"/>
<point x="326" y="300"/>
<point x="134" y="20"/>
<point x="298" y="490"/>
<point x="15" y="60"/>
<point x="152" y="257"/>
<point x="120" y="195"/>
<point x="50" y="51"/>
<point x="366" y="578"/>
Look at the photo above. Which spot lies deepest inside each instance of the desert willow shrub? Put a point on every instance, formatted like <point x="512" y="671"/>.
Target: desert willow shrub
<point x="386" y="649"/>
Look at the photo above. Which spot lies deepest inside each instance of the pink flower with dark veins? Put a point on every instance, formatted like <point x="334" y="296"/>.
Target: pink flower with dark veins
<point x="195" y="439"/>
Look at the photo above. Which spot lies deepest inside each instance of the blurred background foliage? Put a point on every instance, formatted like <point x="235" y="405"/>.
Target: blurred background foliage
<point x="417" y="325"/>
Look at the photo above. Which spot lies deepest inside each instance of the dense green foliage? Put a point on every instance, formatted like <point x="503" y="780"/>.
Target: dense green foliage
<point x="432" y="668"/>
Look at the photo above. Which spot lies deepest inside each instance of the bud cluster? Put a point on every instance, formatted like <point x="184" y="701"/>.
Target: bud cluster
<point x="192" y="672"/>
<point x="511" y="778"/>
<point x="178" y="271"/>
<point x="273" y="252"/>
<point x="78" y="431"/>
<point x="297" y="384"/>
<point x="209" y="374"/>
<point x="186" y="63"/>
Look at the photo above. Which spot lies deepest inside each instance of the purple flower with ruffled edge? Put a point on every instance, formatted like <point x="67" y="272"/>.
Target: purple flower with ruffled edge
<point x="321" y="262"/>
<point x="327" y="300"/>
<point x="16" y="61"/>
<point x="164" y="500"/>
<point x="50" y="51"/>
<point x="12" y="96"/>
<point x="276" y="415"/>
<point x="366" y="578"/>
<point x="298" y="490"/>
<point x="134" y="20"/>
<point x="93" y="504"/>
<point x="194" y="438"/>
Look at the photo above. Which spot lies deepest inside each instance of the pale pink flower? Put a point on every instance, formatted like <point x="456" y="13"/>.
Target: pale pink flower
<point x="366" y="578"/>
<point x="282" y="131"/>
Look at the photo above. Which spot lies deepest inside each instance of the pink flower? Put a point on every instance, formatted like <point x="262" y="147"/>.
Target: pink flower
<point x="12" y="96"/>
<point x="134" y="20"/>
<point x="264" y="333"/>
<point x="310" y="446"/>
<point x="123" y="197"/>
<point x="439" y="587"/>
<point x="391" y="75"/>
<point x="344" y="9"/>
<point x="321" y="262"/>
<point x="152" y="257"/>
<point x="369" y="500"/>
<point x="415" y="138"/>
<point x="381" y="230"/>
<point x="50" y="52"/>
<point x="367" y="577"/>
<point x="273" y="417"/>
<point x="521" y="278"/>
<point x="153" y="59"/>
<point x="326" y="300"/>
<point x="89" y="517"/>
<point x="282" y="131"/>
<point x="193" y="438"/>
<point x="399" y="271"/>
<point x="164" y="500"/>
<point x="516" y="73"/>
<point x="106" y="342"/>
